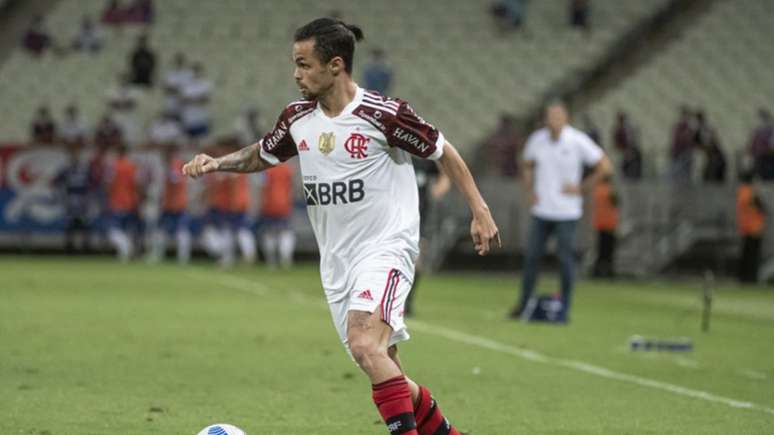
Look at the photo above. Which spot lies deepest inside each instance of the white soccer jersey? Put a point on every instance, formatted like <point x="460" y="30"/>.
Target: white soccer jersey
<point x="359" y="182"/>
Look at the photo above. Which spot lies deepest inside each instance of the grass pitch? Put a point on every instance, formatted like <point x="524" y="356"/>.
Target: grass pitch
<point x="89" y="346"/>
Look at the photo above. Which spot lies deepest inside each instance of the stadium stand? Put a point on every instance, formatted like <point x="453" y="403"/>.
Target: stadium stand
<point x="720" y="63"/>
<point x="461" y="81"/>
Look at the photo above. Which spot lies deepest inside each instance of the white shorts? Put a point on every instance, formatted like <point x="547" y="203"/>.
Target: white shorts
<point x="374" y="287"/>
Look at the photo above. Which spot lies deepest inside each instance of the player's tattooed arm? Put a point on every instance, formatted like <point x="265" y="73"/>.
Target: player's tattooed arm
<point x="247" y="159"/>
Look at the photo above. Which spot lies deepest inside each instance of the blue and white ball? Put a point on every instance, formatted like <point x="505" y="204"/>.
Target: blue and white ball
<point x="222" y="429"/>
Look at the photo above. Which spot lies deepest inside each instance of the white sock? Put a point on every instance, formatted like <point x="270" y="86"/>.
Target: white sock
<point x="246" y="245"/>
<point x="227" y="247"/>
<point x="183" y="246"/>
<point x="287" y="245"/>
<point x="158" y="242"/>
<point x="269" y="246"/>
<point x="211" y="239"/>
<point x="121" y="242"/>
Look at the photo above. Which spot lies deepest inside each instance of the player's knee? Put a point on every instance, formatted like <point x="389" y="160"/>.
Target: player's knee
<point x="366" y="351"/>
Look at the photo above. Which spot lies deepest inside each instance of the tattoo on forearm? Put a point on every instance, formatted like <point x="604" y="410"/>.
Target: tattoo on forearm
<point x="244" y="160"/>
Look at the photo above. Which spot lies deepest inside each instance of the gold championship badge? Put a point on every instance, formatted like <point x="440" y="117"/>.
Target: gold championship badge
<point x="327" y="143"/>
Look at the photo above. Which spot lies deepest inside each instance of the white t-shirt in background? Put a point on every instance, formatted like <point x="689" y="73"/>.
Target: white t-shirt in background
<point x="195" y="111"/>
<point x="559" y="163"/>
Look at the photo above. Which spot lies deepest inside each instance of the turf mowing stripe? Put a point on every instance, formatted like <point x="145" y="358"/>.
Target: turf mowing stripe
<point x="245" y="285"/>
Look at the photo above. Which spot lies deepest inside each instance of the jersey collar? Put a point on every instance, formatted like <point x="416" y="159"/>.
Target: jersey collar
<point x="349" y="108"/>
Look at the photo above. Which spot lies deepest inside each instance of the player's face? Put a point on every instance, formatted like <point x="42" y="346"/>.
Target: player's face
<point x="556" y="117"/>
<point x="312" y="76"/>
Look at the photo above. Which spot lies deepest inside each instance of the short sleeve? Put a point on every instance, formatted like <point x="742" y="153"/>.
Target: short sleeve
<point x="408" y="131"/>
<point x="277" y="145"/>
<point x="590" y="152"/>
<point x="530" y="149"/>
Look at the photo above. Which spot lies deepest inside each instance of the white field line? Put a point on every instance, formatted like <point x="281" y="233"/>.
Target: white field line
<point x="753" y="374"/>
<point x="245" y="285"/>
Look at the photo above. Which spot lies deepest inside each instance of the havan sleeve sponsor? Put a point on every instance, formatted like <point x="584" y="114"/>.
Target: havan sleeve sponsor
<point x="278" y="144"/>
<point x="408" y="131"/>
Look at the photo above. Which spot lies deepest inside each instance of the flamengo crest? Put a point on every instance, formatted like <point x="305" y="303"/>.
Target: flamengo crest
<point x="326" y="143"/>
<point x="356" y="145"/>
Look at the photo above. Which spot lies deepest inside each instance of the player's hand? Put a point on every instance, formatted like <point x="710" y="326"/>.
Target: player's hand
<point x="533" y="198"/>
<point x="200" y="165"/>
<point x="572" y="189"/>
<point x="484" y="232"/>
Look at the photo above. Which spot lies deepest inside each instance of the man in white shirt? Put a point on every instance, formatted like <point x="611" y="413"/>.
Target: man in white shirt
<point x="73" y="130"/>
<point x="123" y="100"/>
<point x="554" y="158"/>
<point x="174" y="81"/>
<point x="165" y="131"/>
<point x="196" y="98"/>
<point x="355" y="149"/>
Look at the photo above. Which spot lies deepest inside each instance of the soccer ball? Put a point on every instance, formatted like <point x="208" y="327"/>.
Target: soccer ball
<point x="222" y="429"/>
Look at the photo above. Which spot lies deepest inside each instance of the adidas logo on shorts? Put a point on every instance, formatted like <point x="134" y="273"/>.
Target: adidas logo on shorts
<point x="366" y="294"/>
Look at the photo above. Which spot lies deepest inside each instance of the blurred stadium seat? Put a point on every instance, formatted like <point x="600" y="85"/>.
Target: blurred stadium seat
<point x="454" y="69"/>
<point x="721" y="63"/>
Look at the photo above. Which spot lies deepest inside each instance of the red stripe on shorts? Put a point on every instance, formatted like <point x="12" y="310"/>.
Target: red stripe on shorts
<point x="389" y="288"/>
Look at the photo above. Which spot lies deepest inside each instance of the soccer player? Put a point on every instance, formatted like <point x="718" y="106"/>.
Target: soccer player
<point x="217" y="235"/>
<point x="124" y="202"/>
<point x="174" y="219"/>
<point x="277" y="235"/>
<point x="73" y="182"/>
<point x="355" y="150"/>
<point x="240" y="223"/>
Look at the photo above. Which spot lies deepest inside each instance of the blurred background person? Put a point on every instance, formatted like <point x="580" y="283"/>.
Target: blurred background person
<point x="707" y="140"/>
<point x="165" y="132"/>
<point x="580" y="14"/>
<point x="124" y="200"/>
<point x="377" y="75"/>
<point x="751" y="224"/>
<point x="626" y="140"/>
<point x="74" y="184"/>
<point x="174" y="219"/>
<point x="43" y="129"/>
<point x="240" y="223"/>
<point x="509" y="15"/>
<point x="217" y="237"/>
<point x="592" y="130"/>
<point x="89" y="38"/>
<point x="683" y="133"/>
<point x="277" y="237"/>
<point x="142" y="63"/>
<point x="762" y="145"/>
<point x="123" y="99"/>
<point x="604" y="218"/>
<point x="554" y="158"/>
<point x="247" y="127"/>
<point x="432" y="185"/>
<point x="108" y="134"/>
<point x="37" y="39"/>
<point x="503" y="145"/>
<point x="173" y="82"/>
<point x="195" y="96"/>
<point x="73" y="131"/>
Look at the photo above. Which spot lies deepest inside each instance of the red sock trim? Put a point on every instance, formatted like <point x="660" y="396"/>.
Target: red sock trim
<point x="393" y="399"/>
<point x="430" y="421"/>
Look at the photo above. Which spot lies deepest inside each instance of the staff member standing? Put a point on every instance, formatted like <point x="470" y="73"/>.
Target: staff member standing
<point x="604" y="218"/>
<point x="751" y="222"/>
<point x="554" y="158"/>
